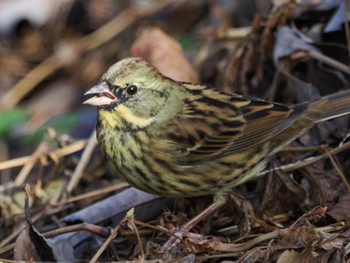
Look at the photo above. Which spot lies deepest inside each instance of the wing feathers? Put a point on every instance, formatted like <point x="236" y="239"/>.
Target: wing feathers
<point x="214" y="124"/>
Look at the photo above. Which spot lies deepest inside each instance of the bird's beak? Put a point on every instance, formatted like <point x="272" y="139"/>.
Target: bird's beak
<point x="101" y="95"/>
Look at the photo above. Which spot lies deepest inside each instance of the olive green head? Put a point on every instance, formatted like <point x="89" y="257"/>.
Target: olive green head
<point x="136" y="92"/>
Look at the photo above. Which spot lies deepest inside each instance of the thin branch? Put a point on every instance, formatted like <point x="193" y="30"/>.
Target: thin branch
<point x="69" y="149"/>
<point x="84" y="44"/>
<point x="78" y="172"/>
<point x="110" y="238"/>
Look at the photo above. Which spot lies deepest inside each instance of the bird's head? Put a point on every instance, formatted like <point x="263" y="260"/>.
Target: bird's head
<point x="134" y="91"/>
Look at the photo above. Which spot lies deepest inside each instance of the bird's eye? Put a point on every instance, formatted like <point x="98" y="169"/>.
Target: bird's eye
<point x="131" y="90"/>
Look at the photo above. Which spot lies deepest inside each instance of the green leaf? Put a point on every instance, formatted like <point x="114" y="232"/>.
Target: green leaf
<point x="188" y="42"/>
<point x="62" y="123"/>
<point x="10" y="118"/>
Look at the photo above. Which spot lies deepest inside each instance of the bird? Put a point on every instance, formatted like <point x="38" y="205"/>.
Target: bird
<point x="178" y="139"/>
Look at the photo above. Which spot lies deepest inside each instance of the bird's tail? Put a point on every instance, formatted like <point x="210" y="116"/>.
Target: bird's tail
<point x="332" y="106"/>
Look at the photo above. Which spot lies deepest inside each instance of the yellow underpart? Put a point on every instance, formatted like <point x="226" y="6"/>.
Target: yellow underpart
<point x="108" y="119"/>
<point x="131" y="118"/>
<point x="114" y="119"/>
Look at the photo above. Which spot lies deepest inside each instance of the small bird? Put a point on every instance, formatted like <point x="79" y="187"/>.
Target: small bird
<point x="177" y="139"/>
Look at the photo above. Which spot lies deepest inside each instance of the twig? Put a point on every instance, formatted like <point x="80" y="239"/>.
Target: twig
<point x="338" y="169"/>
<point x="300" y="164"/>
<point x="239" y="248"/>
<point x="69" y="149"/>
<point x="29" y="81"/>
<point x="158" y="228"/>
<point x="7" y="260"/>
<point x="37" y="155"/>
<point x="134" y="228"/>
<point x="111" y="237"/>
<point x="78" y="172"/>
<point x="330" y="61"/>
<point x="234" y="247"/>
<point x="347" y="248"/>
<point x="110" y="29"/>
<point x="238" y="33"/>
<point x="271" y="93"/>
<point x="84" y="44"/>
<point x="346" y="24"/>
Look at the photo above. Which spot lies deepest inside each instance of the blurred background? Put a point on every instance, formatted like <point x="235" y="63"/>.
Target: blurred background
<point x="52" y="51"/>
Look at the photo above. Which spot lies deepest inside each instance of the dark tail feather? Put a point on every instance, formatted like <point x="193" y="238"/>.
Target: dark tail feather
<point x="332" y="106"/>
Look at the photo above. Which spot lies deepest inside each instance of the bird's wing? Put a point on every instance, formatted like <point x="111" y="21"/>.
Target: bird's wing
<point x="264" y="120"/>
<point x="213" y="124"/>
<point x="207" y="124"/>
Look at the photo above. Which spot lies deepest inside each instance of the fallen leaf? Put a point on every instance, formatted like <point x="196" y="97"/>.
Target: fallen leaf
<point x="341" y="210"/>
<point x="30" y="244"/>
<point x="290" y="256"/>
<point x="164" y="53"/>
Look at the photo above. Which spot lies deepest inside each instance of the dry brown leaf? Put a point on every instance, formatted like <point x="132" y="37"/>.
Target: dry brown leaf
<point x="289" y="256"/>
<point x="30" y="244"/>
<point x="341" y="210"/>
<point x="164" y="53"/>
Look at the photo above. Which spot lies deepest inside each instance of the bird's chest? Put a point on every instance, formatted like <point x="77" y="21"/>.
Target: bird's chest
<point x="131" y="155"/>
<point x="122" y="149"/>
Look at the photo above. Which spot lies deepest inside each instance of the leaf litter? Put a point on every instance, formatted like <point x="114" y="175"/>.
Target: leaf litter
<point x="297" y="210"/>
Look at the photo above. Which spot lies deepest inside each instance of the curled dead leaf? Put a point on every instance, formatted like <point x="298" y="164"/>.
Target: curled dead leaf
<point x="164" y="53"/>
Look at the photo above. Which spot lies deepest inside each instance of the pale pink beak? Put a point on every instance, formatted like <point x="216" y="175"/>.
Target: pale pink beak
<point x="102" y="95"/>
